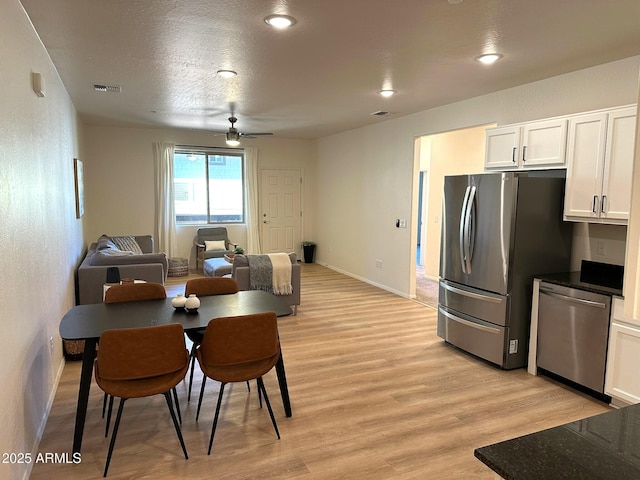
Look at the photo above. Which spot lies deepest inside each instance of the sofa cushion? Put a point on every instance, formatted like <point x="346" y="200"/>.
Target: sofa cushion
<point x="127" y="243"/>
<point x="101" y="259"/>
<point x="214" y="245"/>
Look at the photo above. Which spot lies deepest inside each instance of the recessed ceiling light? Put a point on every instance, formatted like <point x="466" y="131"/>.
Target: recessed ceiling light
<point x="280" y="21"/>
<point x="387" y="92"/>
<point x="489" y="58"/>
<point x="227" y="73"/>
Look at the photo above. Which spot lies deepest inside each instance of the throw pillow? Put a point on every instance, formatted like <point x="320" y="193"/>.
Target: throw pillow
<point x="127" y="243"/>
<point x="214" y="245"/>
<point x="105" y="243"/>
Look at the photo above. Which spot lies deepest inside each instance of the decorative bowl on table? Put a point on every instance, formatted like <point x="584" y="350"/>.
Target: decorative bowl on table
<point x="229" y="257"/>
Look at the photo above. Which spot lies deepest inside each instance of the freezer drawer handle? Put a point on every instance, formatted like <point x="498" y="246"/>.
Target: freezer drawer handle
<point x="469" y="324"/>
<point x="477" y="296"/>
<point x="582" y="301"/>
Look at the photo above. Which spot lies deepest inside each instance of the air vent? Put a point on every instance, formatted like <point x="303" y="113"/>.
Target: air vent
<point x="108" y="88"/>
<point x="380" y="113"/>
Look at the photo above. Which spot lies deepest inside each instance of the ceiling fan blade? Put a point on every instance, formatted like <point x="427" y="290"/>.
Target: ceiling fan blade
<point x="252" y="135"/>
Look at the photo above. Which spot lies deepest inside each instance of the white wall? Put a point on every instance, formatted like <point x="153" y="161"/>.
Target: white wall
<point x="119" y="179"/>
<point x="366" y="176"/>
<point x="40" y="239"/>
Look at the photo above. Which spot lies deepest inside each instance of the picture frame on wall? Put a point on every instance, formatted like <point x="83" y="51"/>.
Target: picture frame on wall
<point x="79" y="183"/>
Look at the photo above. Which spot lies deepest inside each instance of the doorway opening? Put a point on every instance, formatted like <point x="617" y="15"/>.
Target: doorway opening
<point x="438" y="155"/>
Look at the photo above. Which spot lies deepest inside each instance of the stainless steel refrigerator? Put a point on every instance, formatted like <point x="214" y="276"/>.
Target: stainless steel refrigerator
<point x="498" y="231"/>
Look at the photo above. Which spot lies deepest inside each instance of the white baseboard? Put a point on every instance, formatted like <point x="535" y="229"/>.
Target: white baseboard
<point x="366" y="280"/>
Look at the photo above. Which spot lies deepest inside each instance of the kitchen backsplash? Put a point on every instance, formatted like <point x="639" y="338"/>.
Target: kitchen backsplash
<point x="599" y="243"/>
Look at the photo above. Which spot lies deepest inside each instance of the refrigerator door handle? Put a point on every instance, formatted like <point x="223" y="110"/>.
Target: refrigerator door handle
<point x="473" y="295"/>
<point x="468" y="230"/>
<point x="463" y="216"/>
<point x="477" y="326"/>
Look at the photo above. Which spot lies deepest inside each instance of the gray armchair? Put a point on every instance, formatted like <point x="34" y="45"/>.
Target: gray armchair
<point x="215" y="235"/>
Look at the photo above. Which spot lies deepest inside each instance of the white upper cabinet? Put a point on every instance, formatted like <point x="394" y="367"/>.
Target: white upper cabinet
<point x="600" y="150"/>
<point x="533" y="145"/>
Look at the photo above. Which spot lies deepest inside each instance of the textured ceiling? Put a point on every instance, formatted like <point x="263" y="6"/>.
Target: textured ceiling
<point x="320" y="76"/>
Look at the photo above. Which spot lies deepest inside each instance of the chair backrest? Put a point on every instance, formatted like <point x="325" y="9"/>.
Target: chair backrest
<point x="203" y="287"/>
<point x="135" y="291"/>
<point x="246" y="339"/>
<point x="212" y="233"/>
<point x="145" y="352"/>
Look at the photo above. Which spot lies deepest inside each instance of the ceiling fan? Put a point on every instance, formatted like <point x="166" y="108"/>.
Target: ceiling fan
<point x="233" y="135"/>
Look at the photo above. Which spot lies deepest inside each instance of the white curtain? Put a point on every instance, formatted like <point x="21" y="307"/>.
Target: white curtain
<point x="253" y="215"/>
<point x="165" y="234"/>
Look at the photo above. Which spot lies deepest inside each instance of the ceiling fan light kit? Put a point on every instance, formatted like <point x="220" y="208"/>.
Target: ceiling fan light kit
<point x="233" y="135"/>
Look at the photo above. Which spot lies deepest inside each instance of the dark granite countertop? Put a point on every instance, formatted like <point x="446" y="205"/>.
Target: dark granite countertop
<point x="594" y="277"/>
<point x="572" y="279"/>
<point x="603" y="447"/>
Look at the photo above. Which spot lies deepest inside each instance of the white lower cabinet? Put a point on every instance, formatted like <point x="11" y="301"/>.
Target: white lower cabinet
<point x="622" y="381"/>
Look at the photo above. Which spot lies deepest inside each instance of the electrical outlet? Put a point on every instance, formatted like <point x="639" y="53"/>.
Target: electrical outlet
<point x="600" y="247"/>
<point x="378" y="263"/>
<point x="51" y="344"/>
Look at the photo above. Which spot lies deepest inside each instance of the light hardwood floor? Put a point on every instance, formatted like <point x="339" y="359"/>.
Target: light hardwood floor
<point x="375" y="394"/>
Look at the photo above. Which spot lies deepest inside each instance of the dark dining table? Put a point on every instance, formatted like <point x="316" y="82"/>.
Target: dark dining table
<point x="87" y="322"/>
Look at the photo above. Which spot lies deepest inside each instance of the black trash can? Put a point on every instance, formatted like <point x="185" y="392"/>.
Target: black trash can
<point x="309" y="250"/>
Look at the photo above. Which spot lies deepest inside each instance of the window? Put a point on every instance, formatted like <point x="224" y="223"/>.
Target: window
<point x="208" y="185"/>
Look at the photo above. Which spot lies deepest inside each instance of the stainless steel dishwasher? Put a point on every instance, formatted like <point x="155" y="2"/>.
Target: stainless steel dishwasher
<point x="573" y="332"/>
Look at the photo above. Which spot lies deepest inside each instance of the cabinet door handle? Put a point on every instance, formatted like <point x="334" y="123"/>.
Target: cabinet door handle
<point x="513" y="155"/>
<point x="524" y="152"/>
<point x="595" y="203"/>
<point x="604" y="200"/>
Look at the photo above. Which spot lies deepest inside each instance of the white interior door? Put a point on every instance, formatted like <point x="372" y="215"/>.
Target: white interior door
<point x="281" y="210"/>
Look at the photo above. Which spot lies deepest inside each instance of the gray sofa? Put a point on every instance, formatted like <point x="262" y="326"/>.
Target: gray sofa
<point x="240" y="272"/>
<point x="142" y="264"/>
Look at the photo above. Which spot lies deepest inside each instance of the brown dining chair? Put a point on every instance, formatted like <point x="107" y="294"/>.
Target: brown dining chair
<point x="141" y="362"/>
<point x="239" y="349"/>
<point x="203" y="287"/>
<point x="134" y="291"/>
<point x="131" y="293"/>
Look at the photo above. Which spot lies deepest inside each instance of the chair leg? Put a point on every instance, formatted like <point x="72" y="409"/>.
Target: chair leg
<point x="215" y="418"/>
<point x="204" y="380"/>
<point x="106" y="428"/>
<point x="167" y="396"/>
<point x="248" y="390"/>
<point x="104" y="403"/>
<point x="259" y="395"/>
<point x="193" y="365"/>
<point x="266" y="400"/>
<point x="113" y="435"/>
<point x="177" y="403"/>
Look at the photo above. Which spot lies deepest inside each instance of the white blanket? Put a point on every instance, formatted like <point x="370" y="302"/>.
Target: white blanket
<point x="281" y="264"/>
